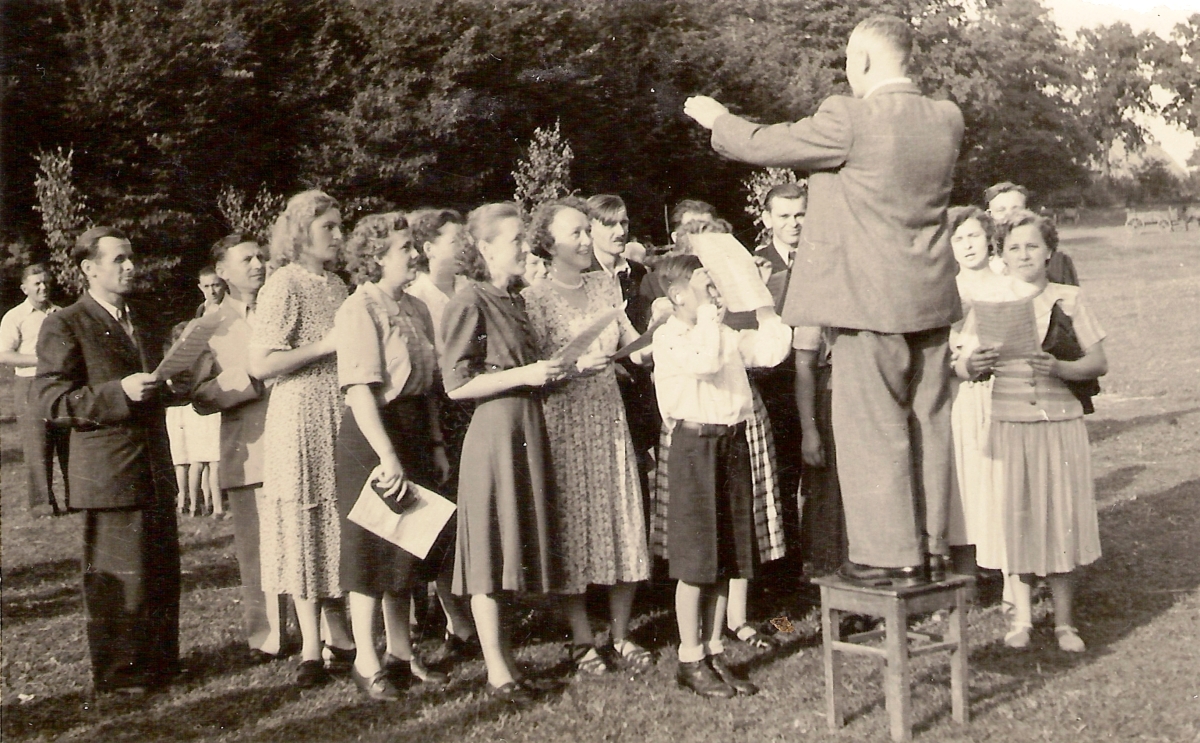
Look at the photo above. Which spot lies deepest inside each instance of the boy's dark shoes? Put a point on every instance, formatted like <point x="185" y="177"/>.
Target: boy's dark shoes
<point x="379" y="687"/>
<point x="867" y="575"/>
<point x="743" y="688"/>
<point x="702" y="679"/>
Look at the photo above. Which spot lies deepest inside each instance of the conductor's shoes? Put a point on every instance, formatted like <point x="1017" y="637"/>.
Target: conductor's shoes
<point x="867" y="575"/>
<point x="936" y="565"/>
<point x="743" y="688"/>
<point x="702" y="679"/>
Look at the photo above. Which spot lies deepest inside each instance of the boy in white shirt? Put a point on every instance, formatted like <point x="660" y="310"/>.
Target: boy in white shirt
<point x="704" y="397"/>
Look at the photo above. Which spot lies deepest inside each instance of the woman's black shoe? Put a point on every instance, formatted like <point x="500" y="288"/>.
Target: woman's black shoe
<point x="338" y="660"/>
<point x="702" y="679"/>
<point x="379" y="687"/>
<point x="311" y="673"/>
<point x="511" y="693"/>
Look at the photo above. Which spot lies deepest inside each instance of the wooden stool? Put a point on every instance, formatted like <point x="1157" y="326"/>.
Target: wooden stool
<point x="895" y="605"/>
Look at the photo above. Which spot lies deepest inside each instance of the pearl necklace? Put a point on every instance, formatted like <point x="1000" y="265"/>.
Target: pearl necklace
<point x="565" y="285"/>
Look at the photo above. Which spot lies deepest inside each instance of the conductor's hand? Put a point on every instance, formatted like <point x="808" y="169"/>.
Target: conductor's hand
<point x="139" y="386"/>
<point x="704" y="110"/>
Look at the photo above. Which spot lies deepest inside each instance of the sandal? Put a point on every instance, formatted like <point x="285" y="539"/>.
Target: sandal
<point x="587" y="660"/>
<point x="1068" y="639"/>
<point x="1018" y="637"/>
<point x="634" y="657"/>
<point x="752" y="637"/>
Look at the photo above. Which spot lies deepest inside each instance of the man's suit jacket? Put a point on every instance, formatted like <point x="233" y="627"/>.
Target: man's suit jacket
<point x="223" y="385"/>
<point x="637" y="306"/>
<point x="120" y="457"/>
<point x="780" y="273"/>
<point x="875" y="250"/>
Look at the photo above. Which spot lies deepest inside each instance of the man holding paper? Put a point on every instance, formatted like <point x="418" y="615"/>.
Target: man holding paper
<point x="874" y="263"/>
<point x="94" y="376"/>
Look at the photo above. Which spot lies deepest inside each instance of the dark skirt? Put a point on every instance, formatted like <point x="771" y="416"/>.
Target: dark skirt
<point x="823" y="526"/>
<point x="710" y="519"/>
<point x="371" y="565"/>
<point x="504" y="499"/>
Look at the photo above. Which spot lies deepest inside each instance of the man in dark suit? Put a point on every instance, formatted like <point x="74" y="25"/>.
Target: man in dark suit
<point x="93" y="376"/>
<point x="874" y="263"/>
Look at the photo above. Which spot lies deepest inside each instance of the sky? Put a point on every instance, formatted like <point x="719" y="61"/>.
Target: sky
<point x="1159" y="16"/>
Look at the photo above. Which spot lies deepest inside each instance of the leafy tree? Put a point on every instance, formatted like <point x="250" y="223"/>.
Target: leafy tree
<point x="252" y="217"/>
<point x="545" y="173"/>
<point x="64" y="215"/>
<point x="1177" y="69"/>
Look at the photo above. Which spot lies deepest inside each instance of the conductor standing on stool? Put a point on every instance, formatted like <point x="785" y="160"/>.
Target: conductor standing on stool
<point x="874" y="263"/>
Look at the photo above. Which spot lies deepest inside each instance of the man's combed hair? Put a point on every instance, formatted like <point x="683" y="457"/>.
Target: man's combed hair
<point x="606" y="208"/>
<point x="222" y="246"/>
<point x="691" y="206"/>
<point x="993" y="191"/>
<point x="673" y="269"/>
<point x="87" y="245"/>
<point x="784" y="191"/>
<point x="33" y="269"/>
<point x="896" y="32"/>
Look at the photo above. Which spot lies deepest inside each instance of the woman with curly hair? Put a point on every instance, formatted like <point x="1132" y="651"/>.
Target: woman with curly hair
<point x="293" y="344"/>
<point x="385" y="363"/>
<point x="504" y="498"/>
<point x="599" y="521"/>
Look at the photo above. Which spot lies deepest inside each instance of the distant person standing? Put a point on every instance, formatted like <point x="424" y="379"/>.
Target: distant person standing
<point x="214" y="289"/>
<point x="874" y="262"/>
<point x="94" y="377"/>
<point x="1003" y="201"/>
<point x="18" y="347"/>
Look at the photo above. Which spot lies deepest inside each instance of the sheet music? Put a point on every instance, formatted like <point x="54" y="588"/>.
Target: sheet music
<point x="415" y="530"/>
<point x="183" y="353"/>
<point x="1011" y="327"/>
<point x="579" y="345"/>
<point x="733" y="271"/>
<point x="643" y="340"/>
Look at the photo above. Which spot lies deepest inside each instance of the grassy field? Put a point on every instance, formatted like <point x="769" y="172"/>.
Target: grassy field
<point x="1138" y="607"/>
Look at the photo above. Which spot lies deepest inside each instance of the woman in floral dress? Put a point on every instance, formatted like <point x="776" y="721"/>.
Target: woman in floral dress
<point x="599" y="520"/>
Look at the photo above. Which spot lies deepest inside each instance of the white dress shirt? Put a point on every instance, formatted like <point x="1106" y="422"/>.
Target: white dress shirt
<point x="19" y="330"/>
<point x="436" y="300"/>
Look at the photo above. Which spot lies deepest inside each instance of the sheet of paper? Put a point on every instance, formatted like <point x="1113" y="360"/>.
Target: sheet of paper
<point x="183" y="353"/>
<point x="643" y="340"/>
<point x="733" y="271"/>
<point x="415" y="530"/>
<point x="1009" y="326"/>
<point x="579" y="345"/>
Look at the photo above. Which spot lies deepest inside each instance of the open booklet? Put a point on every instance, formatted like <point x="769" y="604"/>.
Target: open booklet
<point x="1009" y="327"/>
<point x="415" y="529"/>
<point x="579" y="345"/>
<point x="183" y="353"/>
<point x="733" y="271"/>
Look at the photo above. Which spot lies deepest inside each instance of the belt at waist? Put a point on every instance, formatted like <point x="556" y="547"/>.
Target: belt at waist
<point x="712" y="429"/>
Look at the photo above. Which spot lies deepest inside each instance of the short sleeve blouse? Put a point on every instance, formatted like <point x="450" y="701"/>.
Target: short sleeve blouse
<point x="385" y="343"/>
<point x="485" y="330"/>
<point x="295" y="308"/>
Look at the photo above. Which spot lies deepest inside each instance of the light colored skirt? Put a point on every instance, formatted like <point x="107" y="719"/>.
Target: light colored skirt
<point x="977" y="502"/>
<point x="1050" y="523"/>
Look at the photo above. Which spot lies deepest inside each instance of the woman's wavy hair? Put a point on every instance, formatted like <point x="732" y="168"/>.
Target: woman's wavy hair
<point x="482" y="226"/>
<point x="1021" y="218"/>
<point x="541" y="242"/>
<point x="291" y="235"/>
<point x="369" y="242"/>
<point x="426" y="225"/>
<point x="960" y="214"/>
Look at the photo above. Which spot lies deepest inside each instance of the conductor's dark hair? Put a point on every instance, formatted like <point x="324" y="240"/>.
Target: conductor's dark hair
<point x="87" y="245"/>
<point x="895" y="31"/>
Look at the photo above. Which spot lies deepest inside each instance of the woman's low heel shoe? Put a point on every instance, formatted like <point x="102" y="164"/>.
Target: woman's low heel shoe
<point x="510" y="693"/>
<point x="378" y="687"/>
<point x="311" y="673"/>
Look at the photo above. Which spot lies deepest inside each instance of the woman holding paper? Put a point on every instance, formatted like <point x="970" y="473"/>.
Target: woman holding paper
<point x="599" y="523"/>
<point x="504" y="498"/>
<point x="292" y="343"/>
<point x="1038" y="437"/>
<point x="386" y="365"/>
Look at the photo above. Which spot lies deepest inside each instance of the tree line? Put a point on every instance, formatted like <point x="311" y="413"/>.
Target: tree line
<point x="177" y="111"/>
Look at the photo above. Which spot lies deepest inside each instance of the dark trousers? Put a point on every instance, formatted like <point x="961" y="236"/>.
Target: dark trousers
<point x="824" y="521"/>
<point x="891" y="423"/>
<point x="777" y="386"/>
<point x="40" y="443"/>
<point x="131" y="595"/>
<point x="256" y="605"/>
<point x="710" y="519"/>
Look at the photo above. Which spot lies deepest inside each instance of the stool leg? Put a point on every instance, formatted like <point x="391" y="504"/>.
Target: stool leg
<point x="831" y="631"/>
<point x="958" y="658"/>
<point x="896" y="691"/>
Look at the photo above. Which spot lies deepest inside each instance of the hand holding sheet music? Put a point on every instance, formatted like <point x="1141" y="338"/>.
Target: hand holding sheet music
<point x="579" y="345"/>
<point x="1008" y="327"/>
<point x="417" y="525"/>
<point x="733" y="271"/>
<point x="183" y="353"/>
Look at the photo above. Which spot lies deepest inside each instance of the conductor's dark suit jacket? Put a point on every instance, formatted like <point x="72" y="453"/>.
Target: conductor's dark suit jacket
<point x="120" y="456"/>
<point x="875" y="250"/>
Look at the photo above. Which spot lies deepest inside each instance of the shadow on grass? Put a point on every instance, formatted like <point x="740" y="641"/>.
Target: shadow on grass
<point x="12" y="456"/>
<point x="1099" y="430"/>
